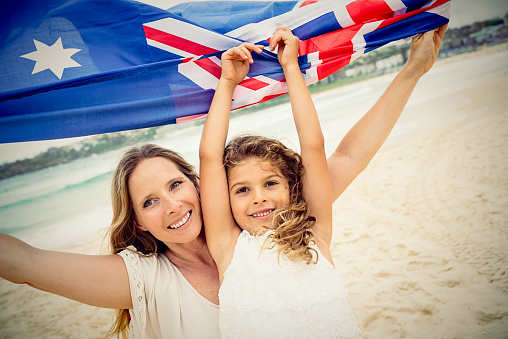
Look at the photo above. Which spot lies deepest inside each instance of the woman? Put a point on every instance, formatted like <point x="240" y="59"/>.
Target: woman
<point x="156" y="210"/>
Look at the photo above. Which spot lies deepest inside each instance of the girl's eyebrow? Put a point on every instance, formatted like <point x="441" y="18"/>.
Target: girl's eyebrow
<point x="272" y="175"/>
<point x="240" y="183"/>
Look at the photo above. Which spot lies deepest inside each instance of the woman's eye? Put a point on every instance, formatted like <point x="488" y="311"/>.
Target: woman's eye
<point x="175" y="184"/>
<point x="148" y="203"/>
<point x="241" y="190"/>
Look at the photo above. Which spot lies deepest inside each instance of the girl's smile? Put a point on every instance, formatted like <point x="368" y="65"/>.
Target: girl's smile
<point x="263" y="214"/>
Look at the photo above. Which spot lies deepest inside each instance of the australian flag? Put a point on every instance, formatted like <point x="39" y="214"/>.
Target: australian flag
<point x="78" y="67"/>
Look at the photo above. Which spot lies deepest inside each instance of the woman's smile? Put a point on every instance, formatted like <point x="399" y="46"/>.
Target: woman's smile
<point x="182" y="222"/>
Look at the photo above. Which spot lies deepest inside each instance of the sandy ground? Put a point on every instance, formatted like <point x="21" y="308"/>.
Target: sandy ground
<point x="421" y="237"/>
<point x="430" y="259"/>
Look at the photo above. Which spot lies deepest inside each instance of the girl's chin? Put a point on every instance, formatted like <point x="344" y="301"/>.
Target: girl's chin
<point x="256" y="229"/>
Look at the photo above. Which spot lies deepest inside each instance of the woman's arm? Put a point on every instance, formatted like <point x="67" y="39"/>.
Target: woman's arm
<point x="362" y="142"/>
<point x="220" y="227"/>
<point x="97" y="280"/>
<point x="316" y="182"/>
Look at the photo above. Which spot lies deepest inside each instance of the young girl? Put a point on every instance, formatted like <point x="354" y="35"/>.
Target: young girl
<point x="277" y="276"/>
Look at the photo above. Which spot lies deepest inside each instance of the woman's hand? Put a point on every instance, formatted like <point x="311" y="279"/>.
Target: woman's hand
<point x="236" y="62"/>
<point x="425" y="48"/>
<point x="288" y="46"/>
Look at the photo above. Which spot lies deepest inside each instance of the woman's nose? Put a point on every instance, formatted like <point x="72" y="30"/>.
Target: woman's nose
<point x="171" y="205"/>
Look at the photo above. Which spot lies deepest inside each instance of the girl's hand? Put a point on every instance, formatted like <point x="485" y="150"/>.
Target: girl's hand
<point x="425" y="48"/>
<point x="288" y="46"/>
<point x="236" y="62"/>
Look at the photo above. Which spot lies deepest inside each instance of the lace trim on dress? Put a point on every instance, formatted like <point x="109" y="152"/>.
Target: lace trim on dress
<point x="131" y="258"/>
<point x="322" y="320"/>
<point x="288" y="298"/>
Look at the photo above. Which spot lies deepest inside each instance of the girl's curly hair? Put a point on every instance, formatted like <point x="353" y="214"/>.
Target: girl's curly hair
<point x="292" y="222"/>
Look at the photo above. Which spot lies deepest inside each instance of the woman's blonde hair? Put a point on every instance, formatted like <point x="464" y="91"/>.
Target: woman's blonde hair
<point x="292" y="222"/>
<point x="123" y="231"/>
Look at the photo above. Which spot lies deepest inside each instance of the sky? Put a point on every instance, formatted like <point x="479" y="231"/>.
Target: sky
<point x="464" y="12"/>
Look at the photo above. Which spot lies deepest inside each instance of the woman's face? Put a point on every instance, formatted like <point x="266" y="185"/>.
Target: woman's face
<point x="165" y="201"/>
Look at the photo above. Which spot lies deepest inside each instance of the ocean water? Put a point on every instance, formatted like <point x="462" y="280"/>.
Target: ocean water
<point x="70" y="203"/>
<point x="60" y="205"/>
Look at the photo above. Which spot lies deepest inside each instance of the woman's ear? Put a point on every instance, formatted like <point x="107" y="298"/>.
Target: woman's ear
<point x="139" y="226"/>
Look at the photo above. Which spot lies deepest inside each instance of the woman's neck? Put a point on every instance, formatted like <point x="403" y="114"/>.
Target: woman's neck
<point x="194" y="252"/>
<point x="196" y="264"/>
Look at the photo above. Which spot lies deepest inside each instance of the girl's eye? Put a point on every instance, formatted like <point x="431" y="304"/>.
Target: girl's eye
<point x="241" y="190"/>
<point x="175" y="184"/>
<point x="148" y="203"/>
<point x="271" y="183"/>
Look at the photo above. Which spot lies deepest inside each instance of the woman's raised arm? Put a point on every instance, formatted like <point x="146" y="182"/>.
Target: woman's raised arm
<point x="362" y="142"/>
<point x="97" y="280"/>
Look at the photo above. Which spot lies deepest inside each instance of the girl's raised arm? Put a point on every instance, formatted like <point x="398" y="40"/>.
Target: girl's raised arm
<point x="220" y="227"/>
<point x="97" y="280"/>
<point x="316" y="181"/>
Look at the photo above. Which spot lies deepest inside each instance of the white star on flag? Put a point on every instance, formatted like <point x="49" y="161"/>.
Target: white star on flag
<point x="54" y="57"/>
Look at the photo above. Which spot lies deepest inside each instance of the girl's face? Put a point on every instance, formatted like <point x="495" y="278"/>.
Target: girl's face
<point x="256" y="190"/>
<point x="165" y="201"/>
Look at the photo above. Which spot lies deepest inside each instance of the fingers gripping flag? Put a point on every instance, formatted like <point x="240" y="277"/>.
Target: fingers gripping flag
<point x="79" y="67"/>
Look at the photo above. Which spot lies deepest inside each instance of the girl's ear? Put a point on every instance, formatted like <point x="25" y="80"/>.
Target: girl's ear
<point x="139" y="226"/>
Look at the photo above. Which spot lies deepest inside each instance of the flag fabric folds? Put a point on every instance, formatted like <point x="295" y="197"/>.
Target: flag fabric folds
<point x="79" y="67"/>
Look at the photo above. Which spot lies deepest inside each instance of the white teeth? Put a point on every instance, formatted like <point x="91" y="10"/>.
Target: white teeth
<point x="181" y="222"/>
<point x="262" y="214"/>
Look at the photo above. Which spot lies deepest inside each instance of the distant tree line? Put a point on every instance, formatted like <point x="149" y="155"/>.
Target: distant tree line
<point x="59" y="155"/>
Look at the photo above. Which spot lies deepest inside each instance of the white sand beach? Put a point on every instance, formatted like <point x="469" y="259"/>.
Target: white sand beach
<point x="420" y="238"/>
<point x="430" y="258"/>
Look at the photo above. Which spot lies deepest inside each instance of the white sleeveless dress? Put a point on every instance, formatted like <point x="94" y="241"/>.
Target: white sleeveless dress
<point x="262" y="298"/>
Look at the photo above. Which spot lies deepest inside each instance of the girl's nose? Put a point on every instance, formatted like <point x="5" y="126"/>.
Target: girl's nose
<point x="259" y="197"/>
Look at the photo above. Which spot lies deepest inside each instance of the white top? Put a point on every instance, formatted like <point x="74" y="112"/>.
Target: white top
<point x="165" y="303"/>
<point x="260" y="298"/>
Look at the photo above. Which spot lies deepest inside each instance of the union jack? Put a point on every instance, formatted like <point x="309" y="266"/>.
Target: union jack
<point x="152" y="67"/>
